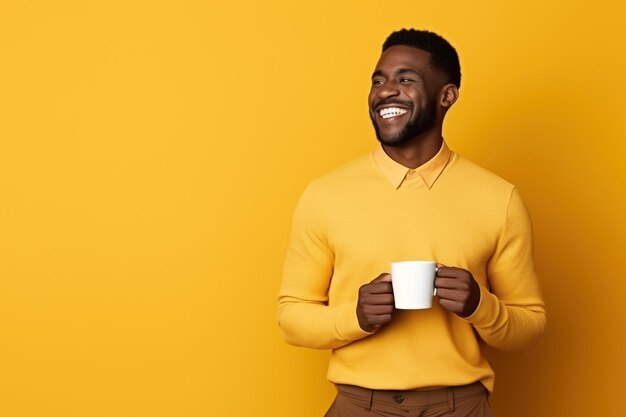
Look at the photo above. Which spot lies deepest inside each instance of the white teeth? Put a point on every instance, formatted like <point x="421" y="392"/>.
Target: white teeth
<point x="391" y="112"/>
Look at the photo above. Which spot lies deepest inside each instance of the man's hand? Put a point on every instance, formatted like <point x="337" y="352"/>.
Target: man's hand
<point x="457" y="290"/>
<point x="375" y="304"/>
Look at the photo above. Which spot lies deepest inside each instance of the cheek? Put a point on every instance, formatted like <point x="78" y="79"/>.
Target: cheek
<point x="370" y="99"/>
<point x="421" y="103"/>
<point x="417" y="93"/>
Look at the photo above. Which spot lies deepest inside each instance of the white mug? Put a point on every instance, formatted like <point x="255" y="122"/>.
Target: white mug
<point x="413" y="284"/>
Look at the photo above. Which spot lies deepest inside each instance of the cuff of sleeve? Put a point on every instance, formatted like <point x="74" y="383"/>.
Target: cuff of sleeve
<point x="347" y="324"/>
<point x="487" y="309"/>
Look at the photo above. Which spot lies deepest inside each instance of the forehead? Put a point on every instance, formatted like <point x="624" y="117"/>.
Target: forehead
<point x="404" y="57"/>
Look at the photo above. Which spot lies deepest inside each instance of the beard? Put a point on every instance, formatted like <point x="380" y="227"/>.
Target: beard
<point x="425" y="121"/>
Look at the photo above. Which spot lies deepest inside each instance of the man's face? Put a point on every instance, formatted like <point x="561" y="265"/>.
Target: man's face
<point x="402" y="99"/>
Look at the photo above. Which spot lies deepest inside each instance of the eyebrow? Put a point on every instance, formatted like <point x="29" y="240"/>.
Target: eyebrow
<point x="379" y="73"/>
<point x="410" y="71"/>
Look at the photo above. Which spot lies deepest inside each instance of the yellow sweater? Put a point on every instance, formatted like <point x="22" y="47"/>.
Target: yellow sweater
<point x="351" y="223"/>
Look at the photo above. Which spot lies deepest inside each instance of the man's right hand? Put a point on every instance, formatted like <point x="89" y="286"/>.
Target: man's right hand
<point x="375" y="305"/>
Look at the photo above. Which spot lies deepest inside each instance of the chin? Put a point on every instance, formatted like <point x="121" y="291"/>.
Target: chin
<point x="393" y="140"/>
<point x="394" y="144"/>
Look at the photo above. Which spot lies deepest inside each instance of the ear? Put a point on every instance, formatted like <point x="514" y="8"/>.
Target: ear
<point x="449" y="95"/>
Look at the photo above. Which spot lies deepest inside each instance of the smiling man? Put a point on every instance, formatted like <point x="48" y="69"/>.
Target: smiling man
<point x="412" y="198"/>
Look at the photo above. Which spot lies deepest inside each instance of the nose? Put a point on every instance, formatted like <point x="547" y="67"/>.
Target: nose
<point x="389" y="89"/>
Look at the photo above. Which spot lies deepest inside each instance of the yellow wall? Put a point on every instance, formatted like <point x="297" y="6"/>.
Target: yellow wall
<point x="151" y="154"/>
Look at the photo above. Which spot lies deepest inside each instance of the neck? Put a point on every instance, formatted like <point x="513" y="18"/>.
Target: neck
<point x="416" y="152"/>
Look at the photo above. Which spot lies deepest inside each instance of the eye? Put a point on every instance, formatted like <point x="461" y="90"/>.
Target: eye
<point x="377" y="81"/>
<point x="406" y="80"/>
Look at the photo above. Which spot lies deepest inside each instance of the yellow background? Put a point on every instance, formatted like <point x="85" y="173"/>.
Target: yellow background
<point x="151" y="153"/>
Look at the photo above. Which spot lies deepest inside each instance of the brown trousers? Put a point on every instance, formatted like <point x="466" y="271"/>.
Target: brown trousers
<point x="465" y="401"/>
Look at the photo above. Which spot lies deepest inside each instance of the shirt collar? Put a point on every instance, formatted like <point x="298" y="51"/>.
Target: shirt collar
<point x="396" y="173"/>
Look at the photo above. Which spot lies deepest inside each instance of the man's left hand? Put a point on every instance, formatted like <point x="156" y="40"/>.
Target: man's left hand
<point x="457" y="290"/>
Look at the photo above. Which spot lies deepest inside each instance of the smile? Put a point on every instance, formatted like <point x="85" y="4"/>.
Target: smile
<point x="390" y="112"/>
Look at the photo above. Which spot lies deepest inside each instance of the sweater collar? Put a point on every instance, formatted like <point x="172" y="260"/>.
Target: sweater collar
<point x="396" y="173"/>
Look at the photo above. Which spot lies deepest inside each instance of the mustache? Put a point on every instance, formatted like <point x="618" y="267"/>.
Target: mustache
<point x="392" y="101"/>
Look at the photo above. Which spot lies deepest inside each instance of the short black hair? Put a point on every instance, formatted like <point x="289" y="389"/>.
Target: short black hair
<point x="443" y="56"/>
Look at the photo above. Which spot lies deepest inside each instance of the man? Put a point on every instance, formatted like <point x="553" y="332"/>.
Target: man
<point x="411" y="199"/>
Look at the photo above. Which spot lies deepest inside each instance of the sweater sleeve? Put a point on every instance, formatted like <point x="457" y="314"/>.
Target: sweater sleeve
<point x="304" y="316"/>
<point x="511" y="313"/>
